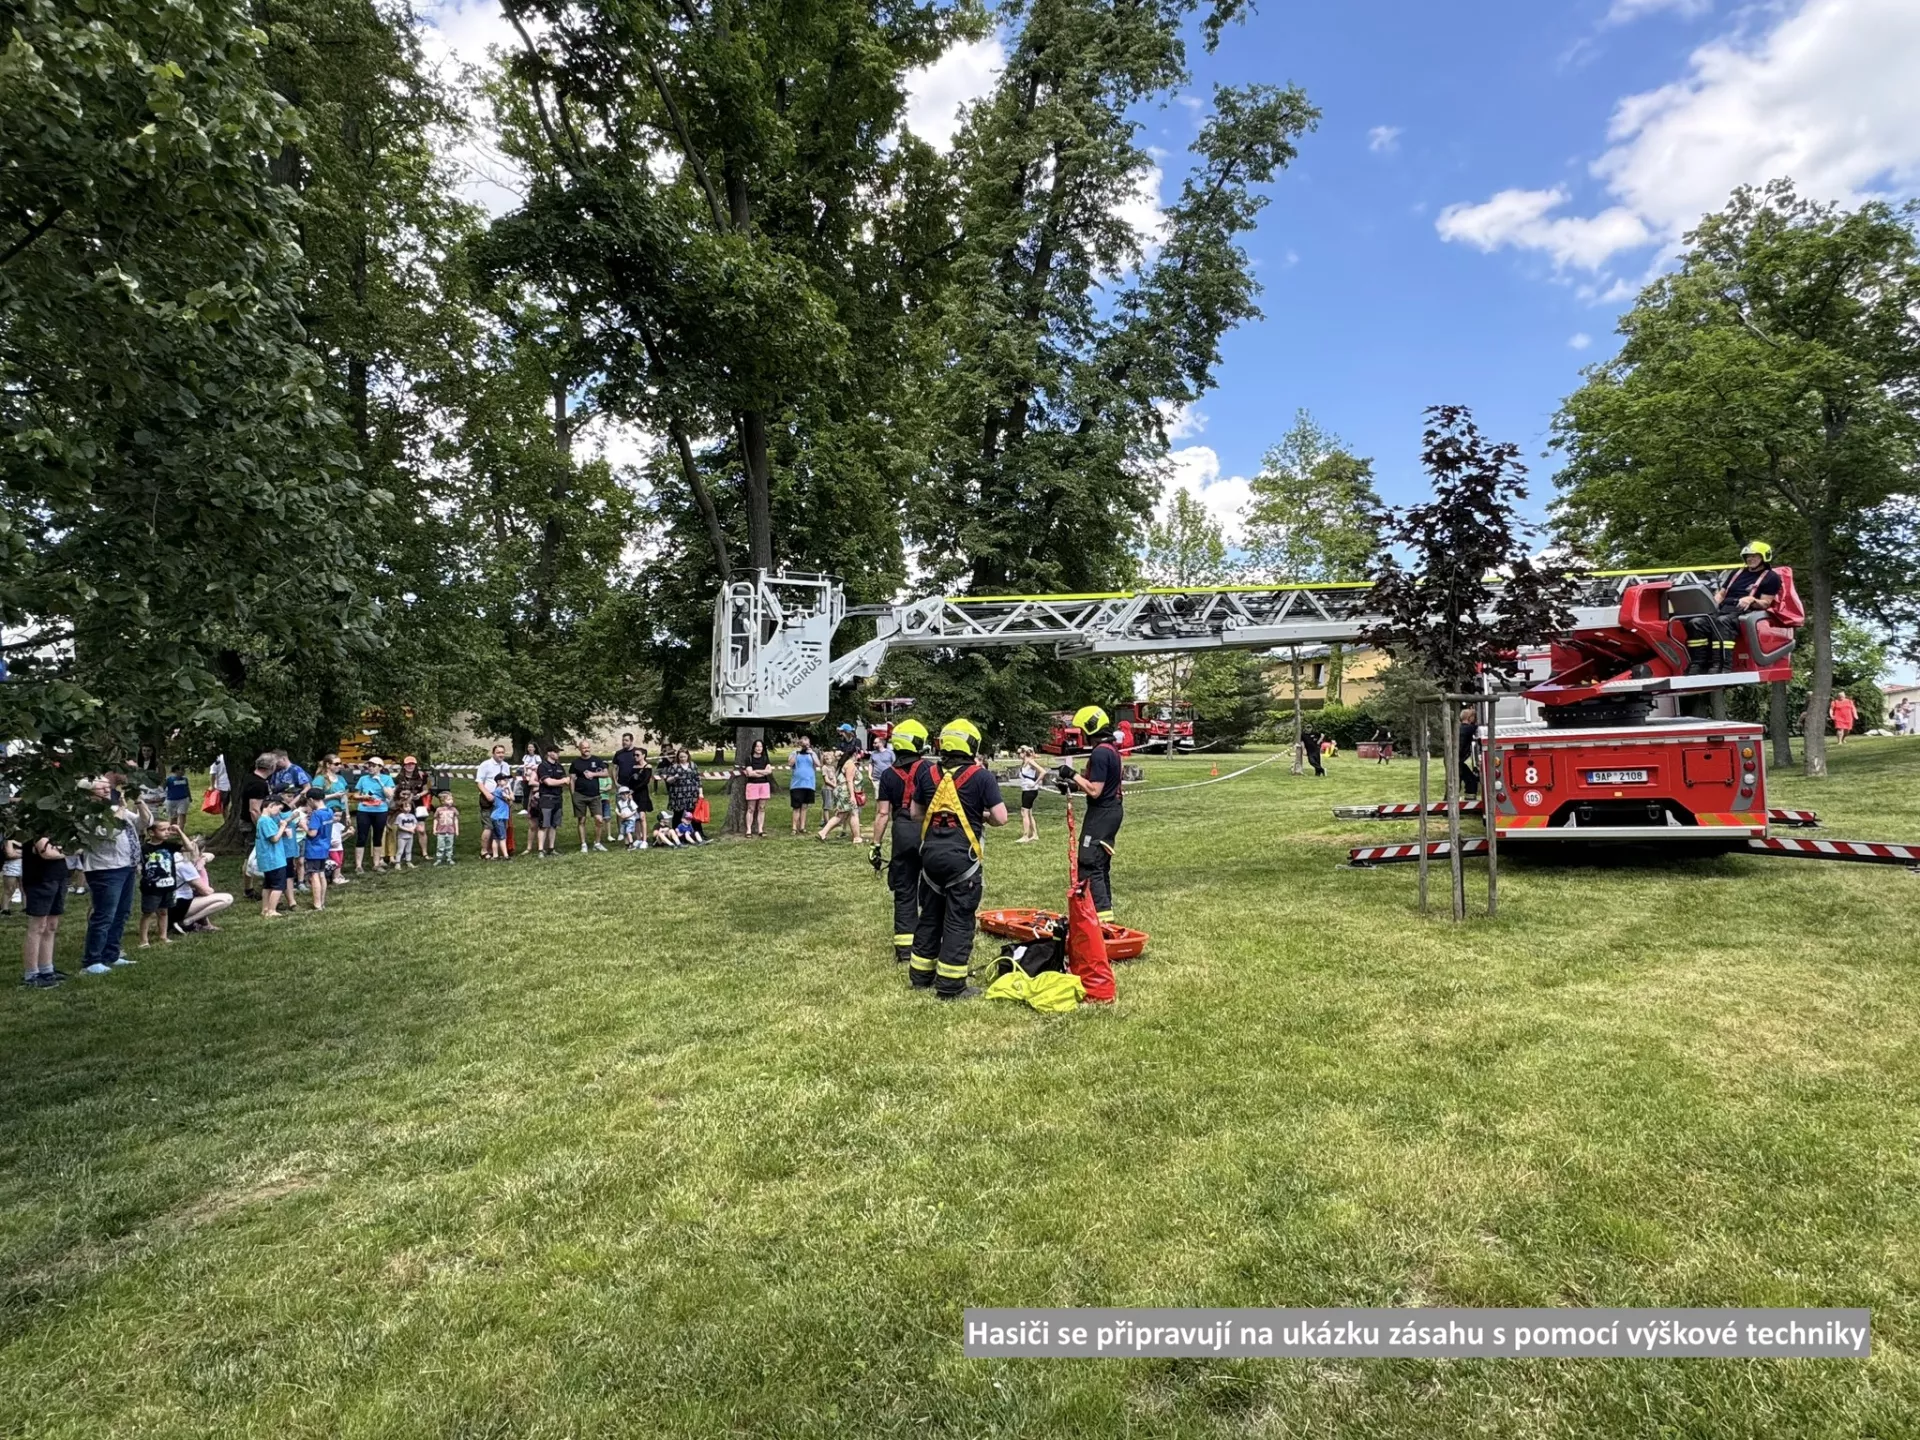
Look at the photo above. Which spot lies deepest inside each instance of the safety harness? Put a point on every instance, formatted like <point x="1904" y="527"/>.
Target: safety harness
<point x="945" y="812"/>
<point x="909" y="773"/>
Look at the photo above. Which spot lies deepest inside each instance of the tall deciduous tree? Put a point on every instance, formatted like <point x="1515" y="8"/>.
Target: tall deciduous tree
<point x="172" y="480"/>
<point x="1064" y="342"/>
<point x="1186" y="547"/>
<point x="540" y="531"/>
<point x="1314" y="517"/>
<point x="1769" y="387"/>
<point x="726" y="190"/>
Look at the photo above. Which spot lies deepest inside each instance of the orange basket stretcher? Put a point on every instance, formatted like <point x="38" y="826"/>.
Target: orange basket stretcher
<point x="1122" y="943"/>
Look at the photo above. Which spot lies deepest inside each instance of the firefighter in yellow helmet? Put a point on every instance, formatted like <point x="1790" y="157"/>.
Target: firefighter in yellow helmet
<point x="955" y="800"/>
<point x="1755" y="586"/>
<point x="909" y="741"/>
<point x="1100" y="783"/>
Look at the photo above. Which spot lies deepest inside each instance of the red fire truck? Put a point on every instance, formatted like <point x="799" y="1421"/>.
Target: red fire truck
<point x="1604" y="753"/>
<point x="1142" y="726"/>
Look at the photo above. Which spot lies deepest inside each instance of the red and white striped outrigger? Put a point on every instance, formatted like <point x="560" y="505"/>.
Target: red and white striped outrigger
<point x="1865" y="852"/>
<point x="1410" y="810"/>
<point x="1871" y="852"/>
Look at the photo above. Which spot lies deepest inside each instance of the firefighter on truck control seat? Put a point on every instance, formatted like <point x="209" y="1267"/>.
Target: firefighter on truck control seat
<point x="954" y="801"/>
<point x="909" y="743"/>
<point x="1754" y="587"/>
<point x="1100" y="783"/>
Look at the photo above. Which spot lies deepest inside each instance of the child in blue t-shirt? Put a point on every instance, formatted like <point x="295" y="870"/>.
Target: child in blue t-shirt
<point x="319" y="845"/>
<point x="499" y="818"/>
<point x="269" y="835"/>
<point x="293" y="849"/>
<point x="179" y="795"/>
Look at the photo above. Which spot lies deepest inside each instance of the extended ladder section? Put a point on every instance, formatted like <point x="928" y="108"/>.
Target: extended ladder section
<point x="773" y="633"/>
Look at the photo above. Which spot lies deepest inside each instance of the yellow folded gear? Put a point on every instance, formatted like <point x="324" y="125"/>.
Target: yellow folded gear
<point x="1050" y="991"/>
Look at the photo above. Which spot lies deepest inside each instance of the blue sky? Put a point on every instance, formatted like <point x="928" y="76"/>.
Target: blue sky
<point x="1490" y="183"/>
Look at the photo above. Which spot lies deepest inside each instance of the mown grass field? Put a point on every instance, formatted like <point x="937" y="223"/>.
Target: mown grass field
<point x="660" y="1145"/>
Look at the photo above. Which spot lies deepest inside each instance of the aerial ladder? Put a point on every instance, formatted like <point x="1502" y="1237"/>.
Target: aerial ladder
<point x="1597" y="749"/>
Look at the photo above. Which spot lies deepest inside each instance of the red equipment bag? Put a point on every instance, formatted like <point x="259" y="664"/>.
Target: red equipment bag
<point x="702" y="811"/>
<point x="1086" y="942"/>
<point x="210" y="802"/>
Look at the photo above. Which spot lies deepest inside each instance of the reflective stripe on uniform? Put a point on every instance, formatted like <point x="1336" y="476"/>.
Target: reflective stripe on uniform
<point x="951" y="972"/>
<point x="922" y="962"/>
<point x="1105" y="914"/>
<point x="906" y="939"/>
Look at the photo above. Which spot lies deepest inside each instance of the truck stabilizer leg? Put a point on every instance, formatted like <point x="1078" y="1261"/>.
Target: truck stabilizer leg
<point x="1368" y="855"/>
<point x="1866" y="852"/>
<point x="1408" y="811"/>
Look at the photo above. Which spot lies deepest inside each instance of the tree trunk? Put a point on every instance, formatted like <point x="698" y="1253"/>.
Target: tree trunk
<point x="1451" y="757"/>
<point x="702" y="497"/>
<point x="1299" y="722"/>
<point x="759" y="474"/>
<point x="1420" y="741"/>
<point x="1336" y="654"/>
<point x="1820" y="615"/>
<point x="1777" y="724"/>
<point x="1173" y="701"/>
<point x="235" y="835"/>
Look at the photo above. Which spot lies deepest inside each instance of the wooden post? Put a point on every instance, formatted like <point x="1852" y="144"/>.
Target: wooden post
<point x="1420" y="743"/>
<point x="1487" y="810"/>
<point x="1449" y="737"/>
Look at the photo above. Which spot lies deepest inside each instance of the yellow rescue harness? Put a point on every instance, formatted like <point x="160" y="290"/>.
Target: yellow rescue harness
<point x="946" y="802"/>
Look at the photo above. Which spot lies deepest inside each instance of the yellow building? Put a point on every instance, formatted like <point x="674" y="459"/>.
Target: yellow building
<point x="1360" y="667"/>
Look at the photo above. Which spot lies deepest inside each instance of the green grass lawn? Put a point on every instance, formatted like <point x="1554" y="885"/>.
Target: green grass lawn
<point x="661" y="1145"/>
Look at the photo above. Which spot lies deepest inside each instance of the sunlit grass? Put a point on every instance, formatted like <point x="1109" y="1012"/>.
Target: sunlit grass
<point x="660" y="1144"/>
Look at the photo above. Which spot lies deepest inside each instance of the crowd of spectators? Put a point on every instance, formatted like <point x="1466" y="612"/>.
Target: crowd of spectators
<point x="304" y="833"/>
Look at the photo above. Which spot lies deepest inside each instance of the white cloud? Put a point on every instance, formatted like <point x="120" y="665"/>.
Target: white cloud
<point x="1196" y="470"/>
<point x="1142" y="209"/>
<point x="1579" y="341"/>
<point x="1521" y="218"/>
<point x="937" y="92"/>
<point x="621" y="443"/>
<point x="1625" y="12"/>
<point x="1182" y="422"/>
<point x="1384" y="139"/>
<point x="455" y="34"/>
<point x="1826" y="96"/>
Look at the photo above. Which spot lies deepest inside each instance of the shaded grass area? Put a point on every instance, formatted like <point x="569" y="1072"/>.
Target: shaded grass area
<point x="659" y="1144"/>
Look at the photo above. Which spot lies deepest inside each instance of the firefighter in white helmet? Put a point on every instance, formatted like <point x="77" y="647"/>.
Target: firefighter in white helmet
<point x="1100" y="783"/>
<point x="909" y="741"/>
<point x="955" y="801"/>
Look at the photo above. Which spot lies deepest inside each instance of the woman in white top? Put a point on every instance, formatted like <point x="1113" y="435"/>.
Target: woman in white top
<point x="1030" y="777"/>
<point x="196" y="902"/>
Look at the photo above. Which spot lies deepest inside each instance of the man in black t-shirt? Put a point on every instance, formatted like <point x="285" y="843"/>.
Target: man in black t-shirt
<point x="1753" y="590"/>
<point x="550" y="781"/>
<point x="251" y="796"/>
<point x="1756" y="586"/>
<point x="1100" y="783"/>
<point x="589" y="775"/>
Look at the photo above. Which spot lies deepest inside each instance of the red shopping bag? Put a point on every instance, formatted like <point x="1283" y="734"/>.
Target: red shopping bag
<point x="210" y="802"/>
